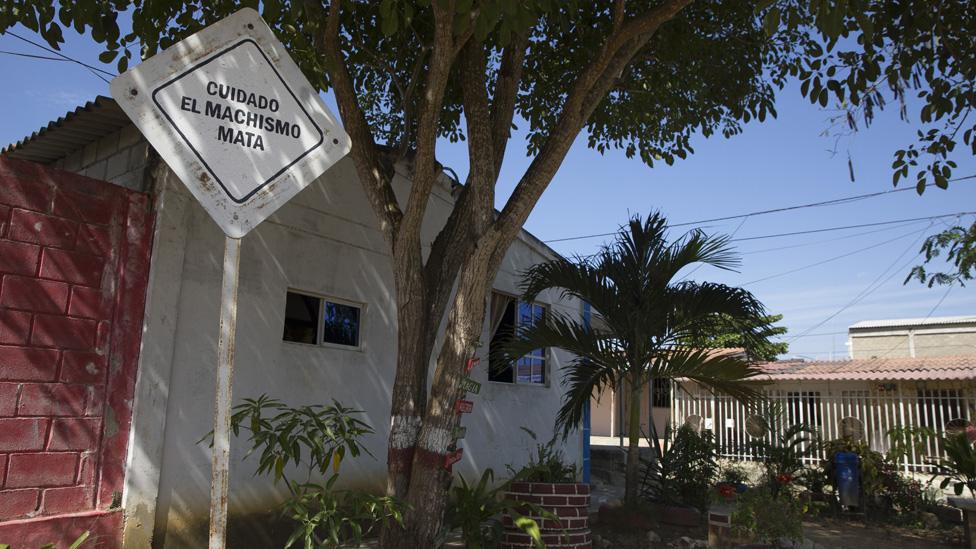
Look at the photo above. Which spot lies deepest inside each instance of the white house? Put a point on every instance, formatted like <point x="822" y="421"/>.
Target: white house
<point x="316" y="322"/>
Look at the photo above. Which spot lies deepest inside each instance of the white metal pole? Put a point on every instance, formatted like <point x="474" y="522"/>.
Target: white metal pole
<point x="222" y="405"/>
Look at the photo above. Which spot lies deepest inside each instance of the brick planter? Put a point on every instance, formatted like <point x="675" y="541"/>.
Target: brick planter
<point x="569" y="502"/>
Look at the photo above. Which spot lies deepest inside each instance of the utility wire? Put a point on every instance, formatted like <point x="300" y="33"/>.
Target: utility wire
<point x="700" y="265"/>
<point x="842" y="256"/>
<point x="835" y="239"/>
<point x="32" y="56"/>
<point x="834" y="202"/>
<point x="93" y="69"/>
<point x="845" y="227"/>
<point x="868" y="290"/>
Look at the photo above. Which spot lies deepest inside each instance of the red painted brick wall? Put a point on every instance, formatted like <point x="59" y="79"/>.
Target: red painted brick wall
<point x="74" y="261"/>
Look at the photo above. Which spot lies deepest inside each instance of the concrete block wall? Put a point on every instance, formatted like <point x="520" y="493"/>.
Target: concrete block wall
<point x="73" y="258"/>
<point x="118" y="158"/>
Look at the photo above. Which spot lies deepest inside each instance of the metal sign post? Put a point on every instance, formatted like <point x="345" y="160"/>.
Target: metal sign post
<point x="220" y="464"/>
<point x="234" y="117"/>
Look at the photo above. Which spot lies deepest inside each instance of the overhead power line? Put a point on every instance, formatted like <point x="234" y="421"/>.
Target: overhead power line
<point x="834" y="202"/>
<point x="868" y="290"/>
<point x="845" y="227"/>
<point x="32" y="56"/>
<point x="842" y="256"/>
<point x="93" y="69"/>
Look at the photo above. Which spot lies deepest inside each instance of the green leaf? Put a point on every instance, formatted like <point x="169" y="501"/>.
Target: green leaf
<point x="81" y="539"/>
<point x="771" y="21"/>
<point x="107" y="56"/>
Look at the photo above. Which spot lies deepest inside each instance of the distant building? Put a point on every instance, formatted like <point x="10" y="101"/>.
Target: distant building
<point x="913" y="337"/>
<point x="919" y="372"/>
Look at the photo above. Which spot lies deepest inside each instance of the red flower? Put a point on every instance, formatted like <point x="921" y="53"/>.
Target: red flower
<point x="784" y="479"/>
<point x="971" y="433"/>
<point x="727" y="490"/>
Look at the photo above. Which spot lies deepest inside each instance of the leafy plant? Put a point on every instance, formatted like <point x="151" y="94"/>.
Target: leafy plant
<point x="733" y="472"/>
<point x="684" y="474"/>
<point x="957" y="465"/>
<point x="546" y="465"/>
<point x="327" y="517"/>
<point x="315" y="439"/>
<point x="813" y="479"/>
<point x="785" y="449"/>
<point x="74" y="545"/>
<point x="904" y="441"/>
<point x="476" y="507"/>
<point x="768" y="517"/>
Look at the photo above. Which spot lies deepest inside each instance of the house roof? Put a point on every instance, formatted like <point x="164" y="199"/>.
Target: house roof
<point x="71" y="132"/>
<point x="874" y="369"/>
<point x="914" y="322"/>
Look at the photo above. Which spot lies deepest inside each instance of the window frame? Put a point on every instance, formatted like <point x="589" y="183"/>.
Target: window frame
<point x="546" y="354"/>
<point x="320" y="332"/>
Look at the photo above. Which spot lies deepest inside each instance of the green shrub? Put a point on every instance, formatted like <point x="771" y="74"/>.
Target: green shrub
<point x="733" y="472"/>
<point x="475" y="509"/>
<point x="958" y="465"/>
<point x="685" y="473"/>
<point x="547" y="465"/>
<point x="315" y="439"/>
<point x="767" y="517"/>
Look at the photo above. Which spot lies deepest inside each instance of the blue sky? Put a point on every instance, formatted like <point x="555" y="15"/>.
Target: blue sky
<point x="781" y="162"/>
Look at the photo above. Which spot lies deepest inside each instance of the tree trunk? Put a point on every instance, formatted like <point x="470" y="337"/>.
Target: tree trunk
<point x="427" y="495"/>
<point x="409" y="393"/>
<point x="633" y="448"/>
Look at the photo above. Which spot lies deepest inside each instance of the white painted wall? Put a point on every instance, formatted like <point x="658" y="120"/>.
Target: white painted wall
<point x="326" y="242"/>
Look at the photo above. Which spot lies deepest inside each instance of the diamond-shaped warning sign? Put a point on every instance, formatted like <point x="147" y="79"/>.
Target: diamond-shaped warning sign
<point x="234" y="117"/>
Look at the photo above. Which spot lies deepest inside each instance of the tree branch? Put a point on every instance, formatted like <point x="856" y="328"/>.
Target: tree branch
<point x="375" y="179"/>
<point x="473" y="210"/>
<point x="586" y="94"/>
<point x="428" y="122"/>
<point x="505" y="96"/>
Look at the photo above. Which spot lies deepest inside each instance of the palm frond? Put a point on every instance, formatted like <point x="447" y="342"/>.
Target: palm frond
<point x="580" y="279"/>
<point x="563" y="332"/>
<point x="718" y="373"/>
<point x="583" y="379"/>
<point x="698" y="308"/>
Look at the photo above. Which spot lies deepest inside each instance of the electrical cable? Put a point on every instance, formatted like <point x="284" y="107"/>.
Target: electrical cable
<point x="32" y="56"/>
<point x="848" y="254"/>
<point x="93" y="69"/>
<point x="833" y="202"/>
<point x="868" y="290"/>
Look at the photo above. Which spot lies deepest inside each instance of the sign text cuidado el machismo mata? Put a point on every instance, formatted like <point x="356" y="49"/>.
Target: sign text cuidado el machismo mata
<point x="234" y="117"/>
<point x="243" y="122"/>
<point x="244" y="125"/>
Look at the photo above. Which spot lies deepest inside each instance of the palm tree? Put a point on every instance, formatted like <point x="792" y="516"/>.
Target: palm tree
<point x="642" y="315"/>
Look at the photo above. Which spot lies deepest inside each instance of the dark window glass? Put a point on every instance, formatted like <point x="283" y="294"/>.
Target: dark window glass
<point x="531" y="368"/>
<point x="804" y="407"/>
<point x="301" y="318"/>
<point x="662" y="393"/>
<point x="506" y="328"/>
<point x="340" y="324"/>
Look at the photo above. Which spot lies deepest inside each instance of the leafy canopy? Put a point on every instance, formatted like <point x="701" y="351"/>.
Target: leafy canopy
<point x="387" y="45"/>
<point x="727" y="333"/>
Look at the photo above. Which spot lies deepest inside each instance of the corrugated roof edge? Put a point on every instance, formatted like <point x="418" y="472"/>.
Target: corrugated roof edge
<point x="909" y="322"/>
<point x="71" y="132"/>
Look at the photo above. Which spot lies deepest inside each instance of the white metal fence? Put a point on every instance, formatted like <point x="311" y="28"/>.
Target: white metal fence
<point x="875" y="411"/>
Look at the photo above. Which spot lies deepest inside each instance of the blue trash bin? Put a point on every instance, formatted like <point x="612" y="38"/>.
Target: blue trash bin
<point x="847" y="473"/>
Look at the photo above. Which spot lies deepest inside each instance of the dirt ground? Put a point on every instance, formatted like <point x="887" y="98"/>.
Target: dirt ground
<point x="833" y="533"/>
<point x="856" y="535"/>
